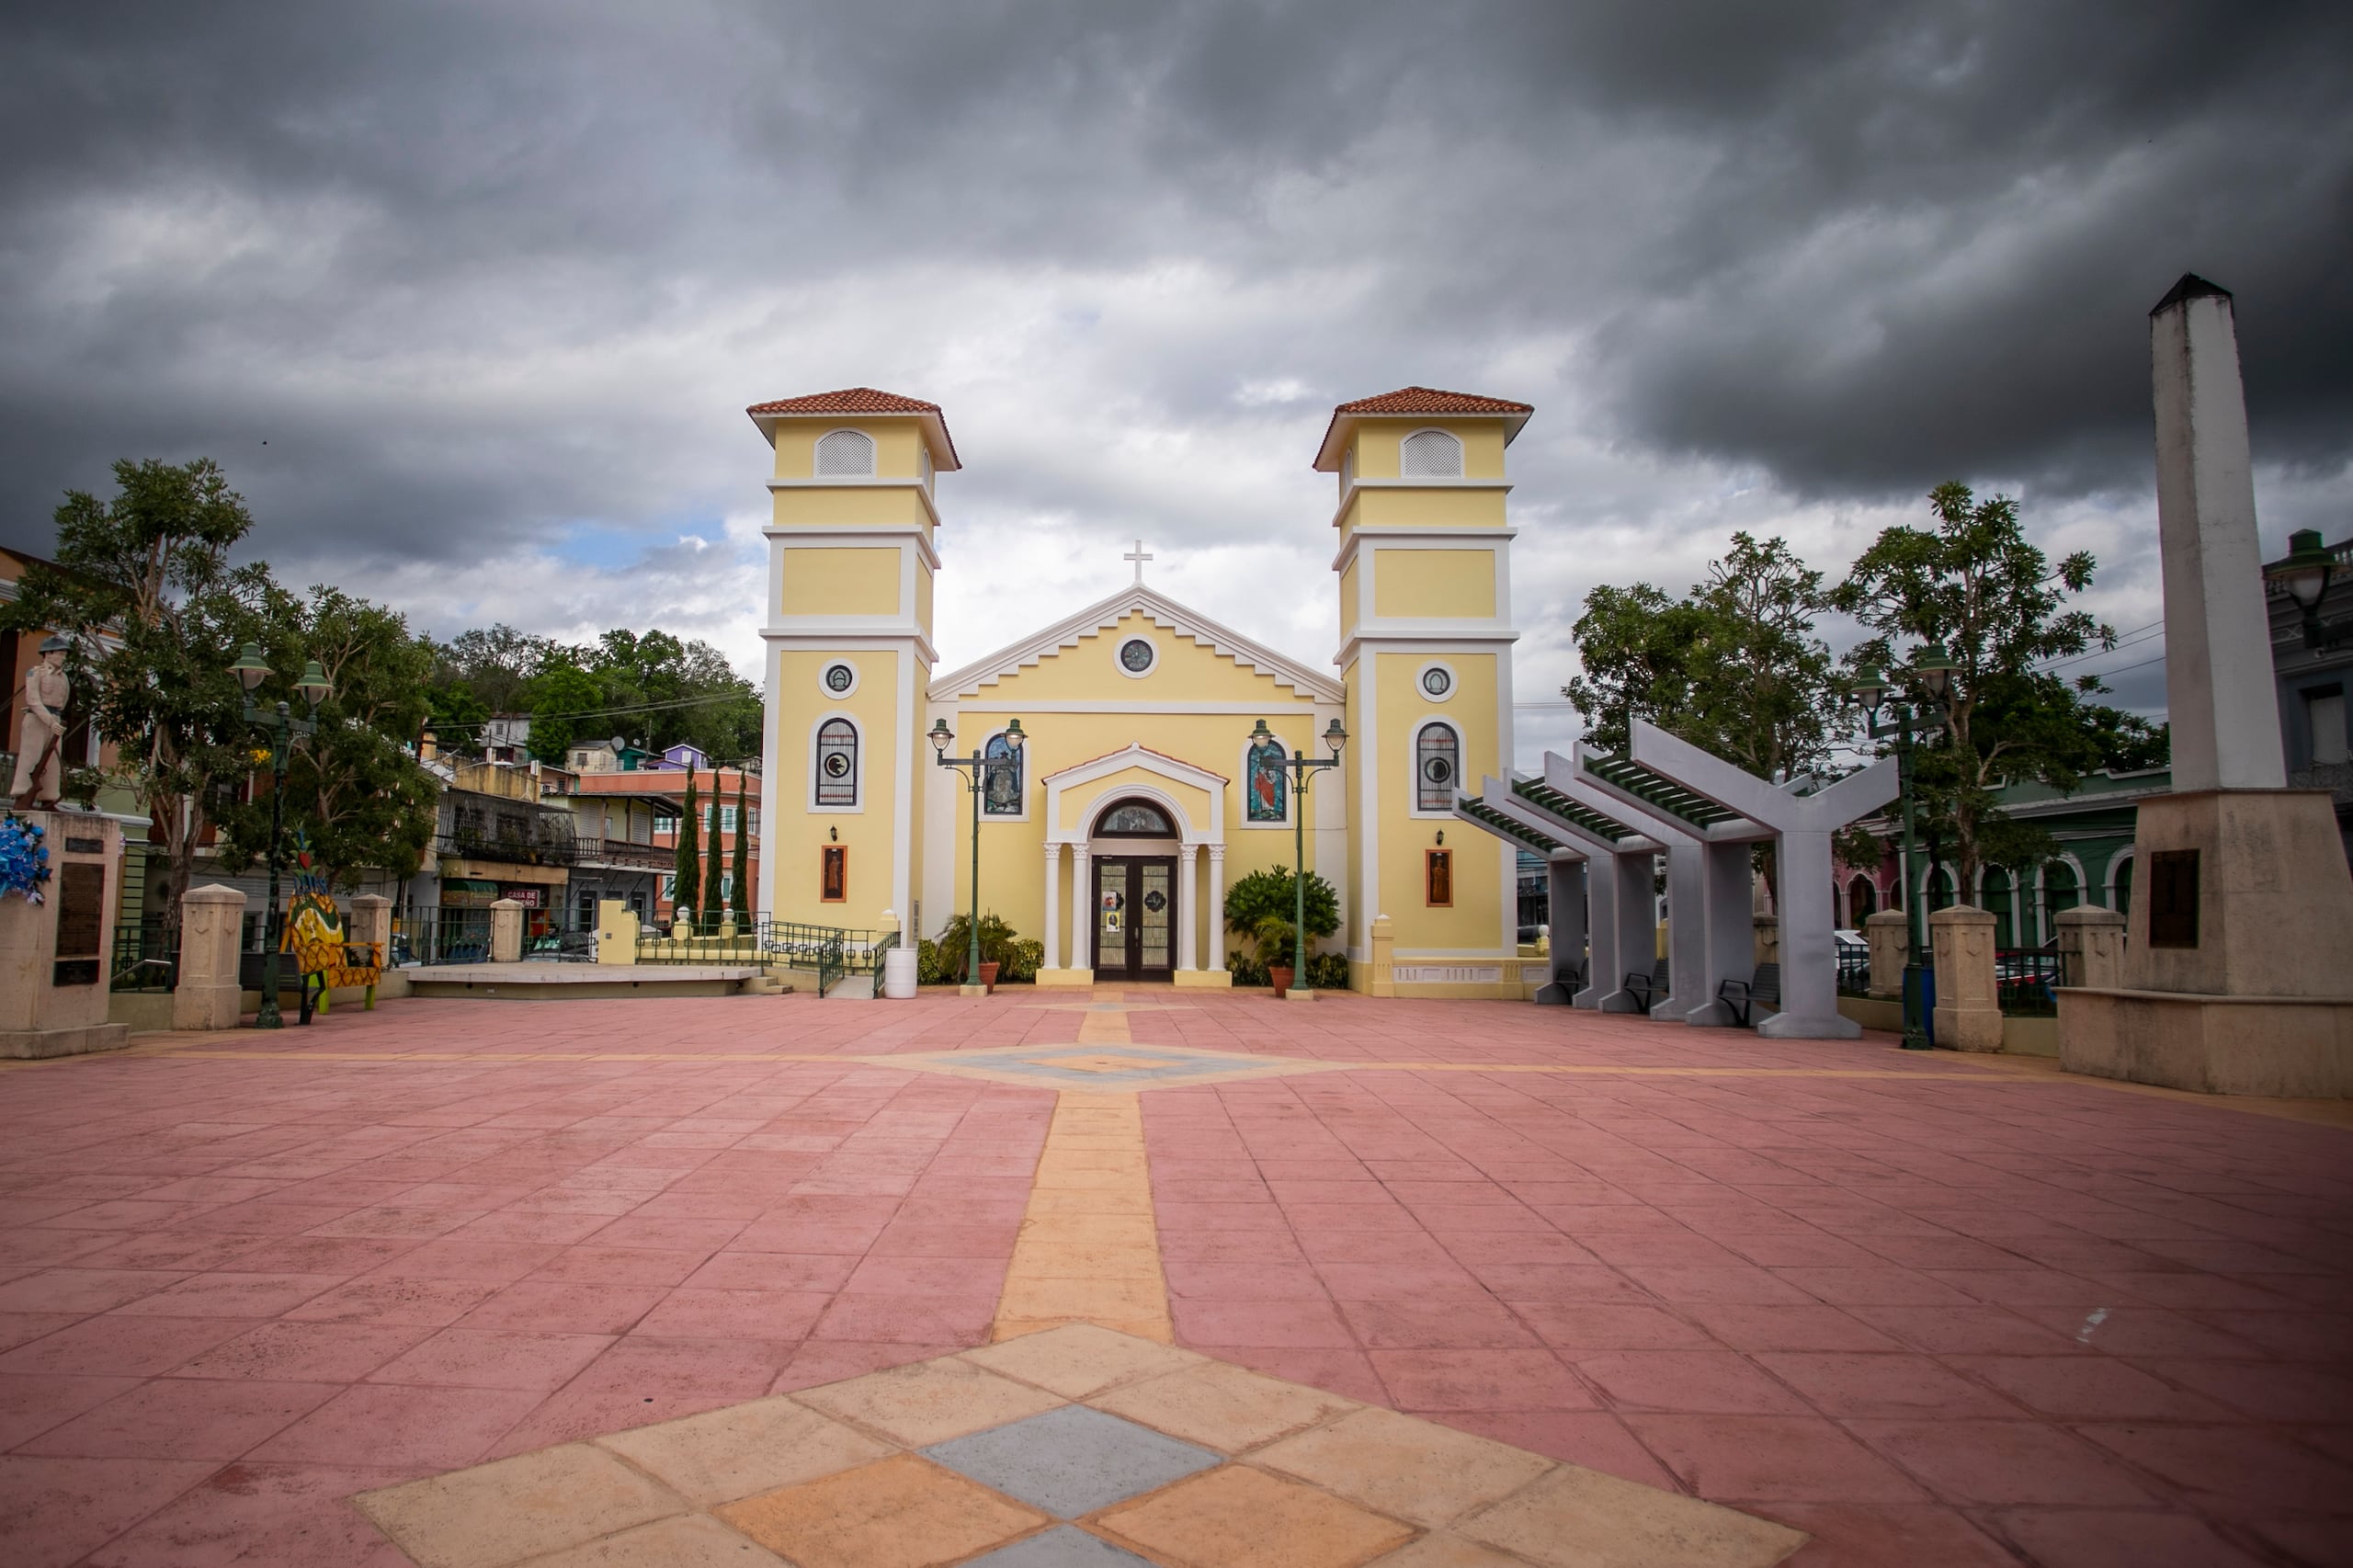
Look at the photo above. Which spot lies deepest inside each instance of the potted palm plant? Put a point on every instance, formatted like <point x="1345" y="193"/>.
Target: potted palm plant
<point x="1276" y="945"/>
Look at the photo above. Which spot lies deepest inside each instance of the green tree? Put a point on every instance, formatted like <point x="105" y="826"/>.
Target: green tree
<point x="687" y="872"/>
<point x="714" y="889"/>
<point x="560" y="694"/>
<point x="497" y="663"/>
<point x="1976" y="585"/>
<point x="352" y="787"/>
<point x="1735" y="668"/>
<point x="144" y="586"/>
<point x="745" y="906"/>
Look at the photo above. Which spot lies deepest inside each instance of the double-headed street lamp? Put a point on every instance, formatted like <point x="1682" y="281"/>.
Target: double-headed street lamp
<point x="1300" y="767"/>
<point x="975" y="769"/>
<point x="1932" y="668"/>
<point x="251" y="670"/>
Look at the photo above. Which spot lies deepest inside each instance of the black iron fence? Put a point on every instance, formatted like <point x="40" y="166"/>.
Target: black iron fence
<point x="146" y="957"/>
<point x="2025" y="981"/>
<point x="440" y="935"/>
<point x="1853" y="969"/>
<point x="765" y="943"/>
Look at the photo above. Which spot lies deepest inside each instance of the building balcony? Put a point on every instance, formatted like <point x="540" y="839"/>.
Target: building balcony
<point x="623" y="855"/>
<point x="507" y="850"/>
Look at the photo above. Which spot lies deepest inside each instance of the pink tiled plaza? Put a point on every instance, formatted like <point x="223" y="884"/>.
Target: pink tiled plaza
<point x="1927" y="1310"/>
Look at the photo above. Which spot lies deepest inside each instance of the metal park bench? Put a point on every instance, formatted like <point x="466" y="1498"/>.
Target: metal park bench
<point x="1568" y="978"/>
<point x="1650" y="989"/>
<point x="1763" y="989"/>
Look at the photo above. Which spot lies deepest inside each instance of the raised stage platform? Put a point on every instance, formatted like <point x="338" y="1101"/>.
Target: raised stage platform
<point x="583" y="981"/>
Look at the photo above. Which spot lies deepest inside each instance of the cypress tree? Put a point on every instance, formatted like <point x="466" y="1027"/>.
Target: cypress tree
<point x="745" y="906"/>
<point x="715" y="867"/>
<point x="690" y="867"/>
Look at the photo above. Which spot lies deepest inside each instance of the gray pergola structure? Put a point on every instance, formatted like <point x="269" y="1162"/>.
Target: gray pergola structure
<point x="1710" y="931"/>
<point x="1662" y="768"/>
<point x="1616" y="874"/>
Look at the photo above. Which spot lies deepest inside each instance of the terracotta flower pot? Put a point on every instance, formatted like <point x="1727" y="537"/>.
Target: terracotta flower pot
<point x="988" y="977"/>
<point x="1280" y="978"/>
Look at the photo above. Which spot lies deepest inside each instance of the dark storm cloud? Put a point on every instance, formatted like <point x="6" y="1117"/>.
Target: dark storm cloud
<point x="480" y="274"/>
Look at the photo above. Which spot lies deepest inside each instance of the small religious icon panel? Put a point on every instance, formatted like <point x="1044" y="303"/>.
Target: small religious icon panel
<point x="832" y="879"/>
<point x="1439" y="874"/>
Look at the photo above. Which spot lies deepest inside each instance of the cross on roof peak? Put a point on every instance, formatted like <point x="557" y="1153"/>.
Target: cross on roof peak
<point x="1138" y="555"/>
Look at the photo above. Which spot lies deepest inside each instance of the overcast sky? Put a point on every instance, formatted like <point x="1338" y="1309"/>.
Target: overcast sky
<point x="470" y="300"/>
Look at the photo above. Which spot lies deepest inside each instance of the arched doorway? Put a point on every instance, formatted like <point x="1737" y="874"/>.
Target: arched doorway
<point x="1862" y="899"/>
<point x="1133" y="845"/>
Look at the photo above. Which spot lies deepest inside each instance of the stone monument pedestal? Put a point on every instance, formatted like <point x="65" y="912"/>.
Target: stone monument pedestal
<point x="54" y="955"/>
<point x="1968" y="1011"/>
<point x="2237" y="976"/>
<point x="207" y="995"/>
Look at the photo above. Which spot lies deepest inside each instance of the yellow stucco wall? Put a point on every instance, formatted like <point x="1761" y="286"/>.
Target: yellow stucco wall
<point x="1455" y="584"/>
<point x="1185" y="672"/>
<point x="1474" y="921"/>
<point x="898" y="445"/>
<point x="852" y="507"/>
<point x="1349" y="599"/>
<point x="923" y="596"/>
<point x="792" y="839"/>
<point x="1378" y="444"/>
<point x="841" y="581"/>
<point x="1436" y="507"/>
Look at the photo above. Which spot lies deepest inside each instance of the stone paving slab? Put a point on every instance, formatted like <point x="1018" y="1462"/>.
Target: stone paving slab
<point x="1921" y="1307"/>
<point x="1075" y="1483"/>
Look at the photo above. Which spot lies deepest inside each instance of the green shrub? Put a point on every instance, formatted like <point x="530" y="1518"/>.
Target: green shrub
<point x="1000" y="945"/>
<point x="1327" y="972"/>
<point x="1273" y="894"/>
<point x="1245" y="969"/>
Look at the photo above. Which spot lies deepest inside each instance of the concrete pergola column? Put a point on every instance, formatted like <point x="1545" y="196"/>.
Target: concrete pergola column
<point x="1803" y="866"/>
<point x="1618" y="886"/>
<point x="1564" y="879"/>
<point x="1217" y="906"/>
<point x="1082" y="910"/>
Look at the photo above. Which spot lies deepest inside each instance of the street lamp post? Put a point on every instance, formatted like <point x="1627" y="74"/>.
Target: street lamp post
<point x="2306" y="574"/>
<point x="251" y="670"/>
<point x="1906" y="718"/>
<point x="1300" y="767"/>
<point x="975" y="771"/>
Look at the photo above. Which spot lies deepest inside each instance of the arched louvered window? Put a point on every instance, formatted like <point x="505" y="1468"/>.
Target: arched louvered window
<point x="845" y="453"/>
<point x="837" y="763"/>
<point x="1430" y="454"/>
<point x="1437" y="767"/>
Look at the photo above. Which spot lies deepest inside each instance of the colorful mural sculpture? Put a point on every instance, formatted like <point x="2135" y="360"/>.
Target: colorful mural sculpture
<point x="316" y="938"/>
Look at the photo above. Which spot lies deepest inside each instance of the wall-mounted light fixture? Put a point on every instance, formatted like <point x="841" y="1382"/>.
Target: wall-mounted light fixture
<point x="833" y="835"/>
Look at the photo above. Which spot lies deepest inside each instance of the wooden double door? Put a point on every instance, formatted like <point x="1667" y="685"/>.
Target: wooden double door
<point x="1135" y="917"/>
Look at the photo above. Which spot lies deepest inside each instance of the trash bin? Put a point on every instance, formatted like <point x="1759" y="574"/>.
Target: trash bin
<point x="899" y="972"/>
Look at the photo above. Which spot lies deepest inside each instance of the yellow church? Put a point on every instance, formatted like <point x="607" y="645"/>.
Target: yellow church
<point x="1139" y="795"/>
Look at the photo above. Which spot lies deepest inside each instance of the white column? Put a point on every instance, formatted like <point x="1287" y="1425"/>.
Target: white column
<point x="1217" y="906"/>
<point x="1053" y="899"/>
<point x="1082" y="910"/>
<point x="1187" y="916"/>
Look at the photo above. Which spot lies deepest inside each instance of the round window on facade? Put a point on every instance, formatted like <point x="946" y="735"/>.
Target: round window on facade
<point x="1436" y="682"/>
<point x="838" y="678"/>
<point x="1137" y="655"/>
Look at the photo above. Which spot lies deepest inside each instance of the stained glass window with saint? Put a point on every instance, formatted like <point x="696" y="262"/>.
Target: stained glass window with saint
<point x="1269" y="783"/>
<point x="1001" y="796"/>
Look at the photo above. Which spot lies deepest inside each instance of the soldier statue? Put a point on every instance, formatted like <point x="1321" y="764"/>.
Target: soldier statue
<point x="41" y="738"/>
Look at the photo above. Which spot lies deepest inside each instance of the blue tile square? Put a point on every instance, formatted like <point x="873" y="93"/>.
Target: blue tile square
<point x="1065" y="1545"/>
<point x="1073" y="1460"/>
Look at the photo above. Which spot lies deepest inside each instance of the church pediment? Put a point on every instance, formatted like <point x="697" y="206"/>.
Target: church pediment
<point x="1194" y="797"/>
<point x="1136" y="605"/>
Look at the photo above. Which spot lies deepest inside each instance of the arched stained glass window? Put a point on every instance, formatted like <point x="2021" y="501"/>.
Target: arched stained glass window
<point x="1430" y="454"/>
<point x="845" y="453"/>
<point x="1001" y="797"/>
<point x="1269" y="784"/>
<point x="1135" y="819"/>
<point x="1437" y="767"/>
<point x="837" y="763"/>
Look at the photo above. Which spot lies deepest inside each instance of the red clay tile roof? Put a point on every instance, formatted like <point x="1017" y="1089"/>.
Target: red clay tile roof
<point x="849" y="400"/>
<point x="1430" y="400"/>
<point x="1410" y="400"/>
<point x="864" y="400"/>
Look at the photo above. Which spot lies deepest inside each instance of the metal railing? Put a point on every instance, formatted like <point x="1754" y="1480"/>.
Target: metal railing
<point x="146" y="957"/>
<point x="1854" y="971"/>
<point x="765" y="942"/>
<point x="509" y="848"/>
<point x="2025" y="981"/>
<point x="440" y="935"/>
<point x="625" y="852"/>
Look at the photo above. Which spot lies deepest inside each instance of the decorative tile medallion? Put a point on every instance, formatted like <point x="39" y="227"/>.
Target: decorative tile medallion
<point x="1015" y="1457"/>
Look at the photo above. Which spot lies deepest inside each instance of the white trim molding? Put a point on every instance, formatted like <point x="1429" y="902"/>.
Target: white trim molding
<point x="1106" y="613"/>
<point x="1189" y="830"/>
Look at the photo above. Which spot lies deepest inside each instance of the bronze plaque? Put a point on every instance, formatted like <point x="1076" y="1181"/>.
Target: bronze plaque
<point x="81" y="909"/>
<point x="2173" y="898"/>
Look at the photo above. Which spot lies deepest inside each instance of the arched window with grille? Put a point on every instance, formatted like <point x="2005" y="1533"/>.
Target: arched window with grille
<point x="1438" y="767"/>
<point x="1430" y="454"/>
<point x="845" y="454"/>
<point x="837" y="763"/>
